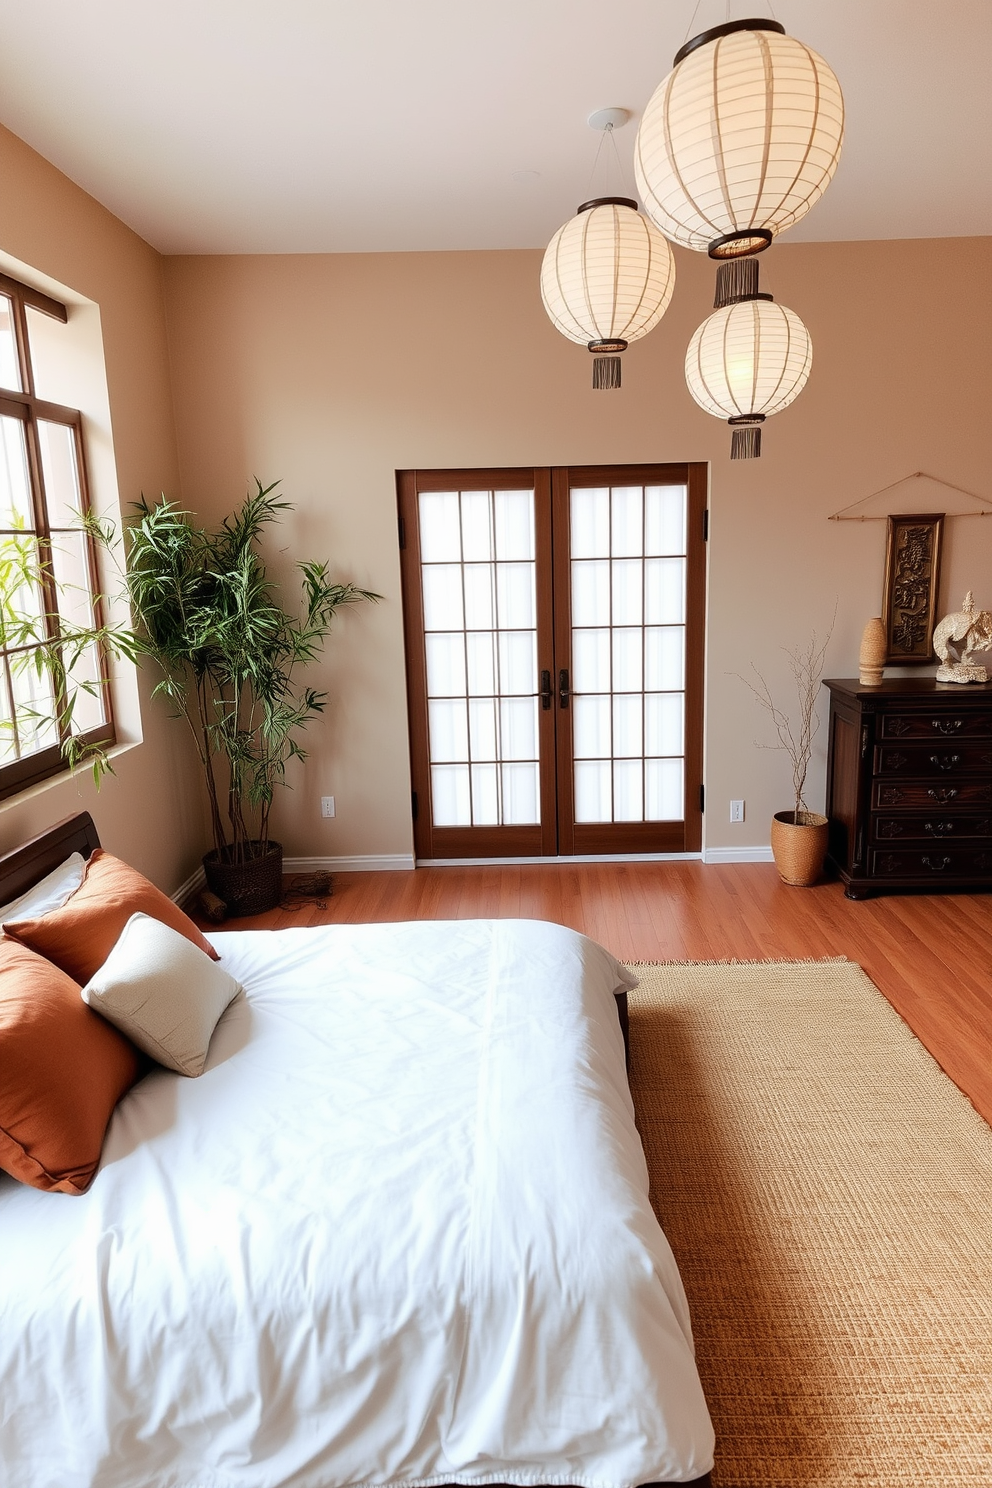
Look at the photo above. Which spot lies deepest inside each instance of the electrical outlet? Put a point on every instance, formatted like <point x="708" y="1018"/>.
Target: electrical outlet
<point x="737" y="811"/>
<point x="327" y="805"/>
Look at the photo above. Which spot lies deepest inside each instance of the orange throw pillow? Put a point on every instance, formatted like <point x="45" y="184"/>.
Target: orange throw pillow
<point x="81" y="935"/>
<point x="64" y="1068"/>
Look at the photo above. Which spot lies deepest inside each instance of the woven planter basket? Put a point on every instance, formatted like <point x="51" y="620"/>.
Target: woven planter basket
<point x="799" y="848"/>
<point x="246" y="888"/>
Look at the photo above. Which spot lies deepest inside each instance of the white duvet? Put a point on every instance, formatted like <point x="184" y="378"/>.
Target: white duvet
<point x="397" y="1232"/>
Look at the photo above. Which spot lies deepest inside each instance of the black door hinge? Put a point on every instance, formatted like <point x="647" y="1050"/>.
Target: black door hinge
<point x="413" y="804"/>
<point x="702" y="799"/>
<point x="706" y="524"/>
<point x="402" y="527"/>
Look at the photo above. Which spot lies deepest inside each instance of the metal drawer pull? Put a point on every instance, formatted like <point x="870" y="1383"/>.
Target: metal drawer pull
<point x="945" y="761"/>
<point x="947" y="725"/>
<point x="937" y="829"/>
<point x="936" y="867"/>
<point x="943" y="794"/>
<point x="545" y="690"/>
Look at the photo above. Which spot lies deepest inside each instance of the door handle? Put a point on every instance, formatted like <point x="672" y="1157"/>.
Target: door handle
<point x="545" y="690"/>
<point x="563" y="692"/>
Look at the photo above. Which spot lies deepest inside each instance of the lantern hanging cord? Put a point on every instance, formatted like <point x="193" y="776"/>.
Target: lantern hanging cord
<point x="692" y="22"/>
<point x="692" y="18"/>
<point x="608" y="131"/>
<point x="616" y="156"/>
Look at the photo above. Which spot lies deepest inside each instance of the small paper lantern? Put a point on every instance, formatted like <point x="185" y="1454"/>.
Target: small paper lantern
<point x="749" y="360"/>
<point x="606" y="280"/>
<point x="740" y="140"/>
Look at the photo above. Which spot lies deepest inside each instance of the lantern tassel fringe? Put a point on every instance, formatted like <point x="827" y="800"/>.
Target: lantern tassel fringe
<point x="606" y="372"/>
<point x="745" y="444"/>
<point x="736" y="280"/>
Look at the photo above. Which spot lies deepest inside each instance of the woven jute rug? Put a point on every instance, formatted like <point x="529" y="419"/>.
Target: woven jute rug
<point x="828" y="1194"/>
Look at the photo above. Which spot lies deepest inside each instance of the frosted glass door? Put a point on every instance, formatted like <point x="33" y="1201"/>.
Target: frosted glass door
<point x="622" y="545"/>
<point x="628" y="652"/>
<point x="478" y="573"/>
<point x="484" y="622"/>
<point x="554" y="689"/>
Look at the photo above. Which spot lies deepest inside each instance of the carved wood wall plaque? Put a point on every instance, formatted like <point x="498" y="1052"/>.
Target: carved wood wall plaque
<point x="909" y="593"/>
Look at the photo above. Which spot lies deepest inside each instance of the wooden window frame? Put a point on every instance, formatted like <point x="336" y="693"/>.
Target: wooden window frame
<point x="26" y="406"/>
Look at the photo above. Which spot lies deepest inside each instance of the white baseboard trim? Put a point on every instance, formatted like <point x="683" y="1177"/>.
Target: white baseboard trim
<point x="738" y="855"/>
<point x="371" y="863"/>
<point x="584" y="858"/>
<point x="190" y="886"/>
<point x="405" y="862"/>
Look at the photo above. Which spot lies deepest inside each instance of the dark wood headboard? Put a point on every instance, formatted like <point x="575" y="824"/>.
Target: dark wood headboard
<point x="21" y="869"/>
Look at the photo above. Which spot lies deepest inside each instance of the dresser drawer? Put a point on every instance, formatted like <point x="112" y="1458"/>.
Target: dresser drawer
<point x="940" y="761"/>
<point x="909" y="786"/>
<point x="946" y="726"/>
<point x="938" y="862"/>
<point x="931" y="826"/>
<point x="968" y="793"/>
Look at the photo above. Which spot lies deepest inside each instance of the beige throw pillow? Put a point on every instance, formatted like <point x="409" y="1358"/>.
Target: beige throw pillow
<point x="163" y="992"/>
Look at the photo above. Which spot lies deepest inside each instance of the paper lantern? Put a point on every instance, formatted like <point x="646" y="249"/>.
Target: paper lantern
<point x="606" y="280"/>
<point x="740" y="140"/>
<point x="749" y="360"/>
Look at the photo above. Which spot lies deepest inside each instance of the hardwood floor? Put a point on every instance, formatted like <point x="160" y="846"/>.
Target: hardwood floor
<point x="931" y="955"/>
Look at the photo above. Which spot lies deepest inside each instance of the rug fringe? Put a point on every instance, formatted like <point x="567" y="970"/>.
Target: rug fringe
<point x="734" y="961"/>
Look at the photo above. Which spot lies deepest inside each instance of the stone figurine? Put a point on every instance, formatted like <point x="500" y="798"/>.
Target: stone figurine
<point x="957" y="636"/>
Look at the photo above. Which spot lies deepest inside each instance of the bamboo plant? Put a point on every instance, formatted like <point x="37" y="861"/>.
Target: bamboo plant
<point x="67" y="659"/>
<point x="209" y="615"/>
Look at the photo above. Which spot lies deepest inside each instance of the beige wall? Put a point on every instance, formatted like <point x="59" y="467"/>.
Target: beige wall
<point x="52" y="232"/>
<point x="332" y="372"/>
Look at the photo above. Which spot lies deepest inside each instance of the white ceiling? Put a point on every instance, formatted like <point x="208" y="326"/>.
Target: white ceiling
<point x="273" y="126"/>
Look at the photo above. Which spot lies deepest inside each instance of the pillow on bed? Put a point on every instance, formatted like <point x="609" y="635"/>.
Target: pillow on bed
<point x="50" y="893"/>
<point x="162" y="992"/>
<point x="81" y="935"/>
<point x="62" y="1071"/>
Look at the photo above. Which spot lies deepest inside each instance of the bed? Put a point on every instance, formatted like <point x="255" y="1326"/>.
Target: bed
<point x="396" y="1233"/>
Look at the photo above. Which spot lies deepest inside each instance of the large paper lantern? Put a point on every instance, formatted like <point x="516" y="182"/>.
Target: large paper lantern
<point x="750" y="359"/>
<point x="606" y="280"/>
<point x="740" y="140"/>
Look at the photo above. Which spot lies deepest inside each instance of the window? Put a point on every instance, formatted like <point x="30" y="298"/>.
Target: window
<point x="48" y="591"/>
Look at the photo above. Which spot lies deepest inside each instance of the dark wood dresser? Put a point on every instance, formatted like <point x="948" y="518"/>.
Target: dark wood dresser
<point x="909" y="785"/>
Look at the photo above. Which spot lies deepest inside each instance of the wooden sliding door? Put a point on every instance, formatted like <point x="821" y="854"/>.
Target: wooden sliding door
<point x="554" y="628"/>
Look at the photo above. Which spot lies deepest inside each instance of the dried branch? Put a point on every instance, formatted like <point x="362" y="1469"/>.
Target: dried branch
<point x="796" y="739"/>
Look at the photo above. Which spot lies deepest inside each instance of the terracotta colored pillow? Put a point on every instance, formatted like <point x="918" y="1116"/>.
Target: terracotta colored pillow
<point x="63" y="1069"/>
<point x="81" y="935"/>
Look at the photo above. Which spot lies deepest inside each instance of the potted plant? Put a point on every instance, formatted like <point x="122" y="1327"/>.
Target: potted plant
<point x="798" y="836"/>
<point x="208" y="614"/>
